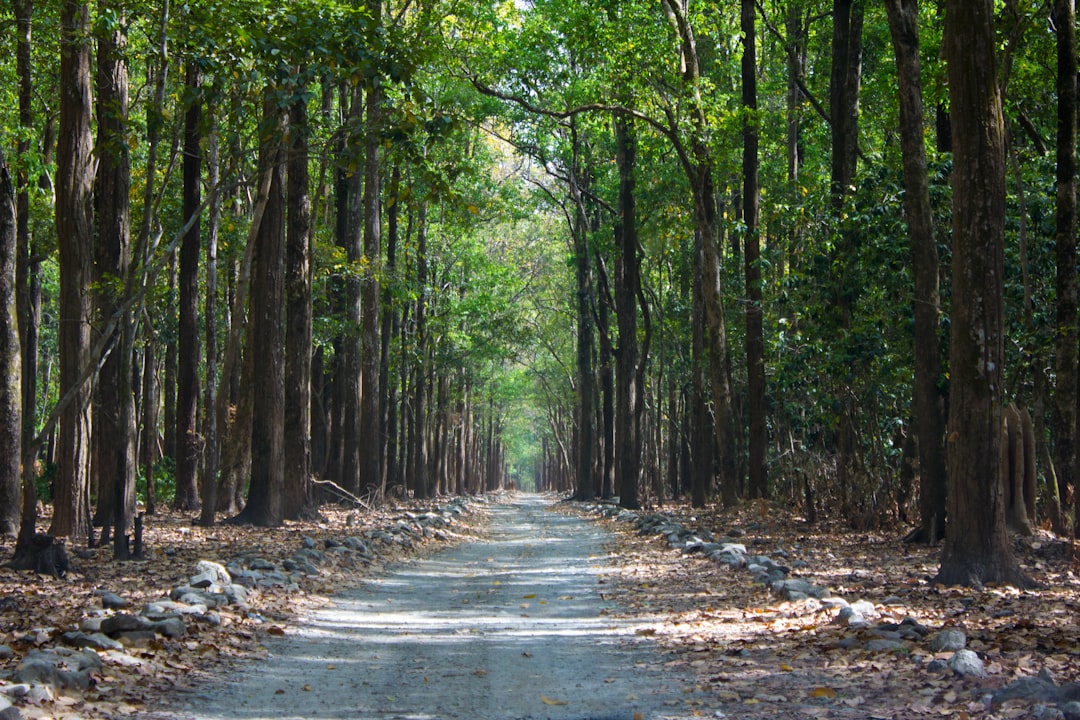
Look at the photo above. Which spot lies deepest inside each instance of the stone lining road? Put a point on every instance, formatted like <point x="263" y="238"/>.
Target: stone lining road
<point x="511" y="627"/>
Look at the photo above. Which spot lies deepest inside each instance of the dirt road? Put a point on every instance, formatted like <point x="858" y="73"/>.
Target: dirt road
<point x="512" y="627"/>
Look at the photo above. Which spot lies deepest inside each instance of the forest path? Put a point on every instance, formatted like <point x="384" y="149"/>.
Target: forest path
<point x="510" y="627"/>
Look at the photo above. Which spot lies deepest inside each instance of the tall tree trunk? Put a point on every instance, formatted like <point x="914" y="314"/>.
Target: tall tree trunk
<point x="27" y="285"/>
<point x="606" y="440"/>
<point x="208" y="489"/>
<point x="698" y="165"/>
<point x="928" y="401"/>
<point x="187" y="378"/>
<point x="755" y="337"/>
<point x="74" y="227"/>
<point x="627" y="285"/>
<point x="586" y="378"/>
<point x="299" y="501"/>
<point x="348" y="380"/>
<point x="10" y="362"/>
<point x="844" y="85"/>
<point x="701" y="462"/>
<point x="155" y="119"/>
<point x="1065" y="395"/>
<point x="977" y="548"/>
<point x="371" y="444"/>
<point x="421" y="477"/>
<point x="114" y="427"/>
<point x="390" y="328"/>
<point x="266" y="333"/>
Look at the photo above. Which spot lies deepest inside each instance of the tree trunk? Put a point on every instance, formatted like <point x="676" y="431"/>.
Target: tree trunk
<point x="627" y="285"/>
<point x="928" y="401"/>
<point x="266" y="334"/>
<point x="586" y="378"/>
<point x="697" y="163"/>
<point x="208" y="489"/>
<point x="388" y="331"/>
<point x="977" y="548"/>
<point x="10" y="362"/>
<point x="299" y="501"/>
<point x="74" y="227"/>
<point x="349" y="370"/>
<point x="755" y="337"/>
<point x="187" y="377"/>
<point x="371" y="445"/>
<point x="1065" y="395"/>
<point x="155" y="115"/>
<point x="606" y="440"/>
<point x="844" y="84"/>
<point x="114" y="427"/>
<point x="27" y="287"/>
<point x="421" y="479"/>
<point x="700" y="448"/>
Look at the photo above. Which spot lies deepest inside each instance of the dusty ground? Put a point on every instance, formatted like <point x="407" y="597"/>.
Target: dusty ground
<point x="513" y="626"/>
<point x="729" y="649"/>
<point x="755" y="656"/>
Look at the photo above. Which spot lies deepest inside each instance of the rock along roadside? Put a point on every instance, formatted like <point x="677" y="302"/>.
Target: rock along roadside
<point x="511" y="627"/>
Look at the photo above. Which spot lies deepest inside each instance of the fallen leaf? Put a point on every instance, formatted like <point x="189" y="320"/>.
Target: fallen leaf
<point x="823" y="692"/>
<point x="550" y="701"/>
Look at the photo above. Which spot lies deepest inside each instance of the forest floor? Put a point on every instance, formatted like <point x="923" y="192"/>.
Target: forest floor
<point x="754" y="655"/>
<point x="741" y="651"/>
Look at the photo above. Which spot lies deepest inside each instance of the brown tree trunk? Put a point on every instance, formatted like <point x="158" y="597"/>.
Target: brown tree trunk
<point x="1065" y="358"/>
<point x="266" y="333"/>
<point x="149" y="409"/>
<point x="350" y="369"/>
<point x="299" y="501"/>
<point x="586" y="378"/>
<point x="74" y="227"/>
<point x="371" y="445"/>
<point x="114" y="427"/>
<point x="187" y="377"/>
<point x="844" y="85"/>
<point x="420" y="479"/>
<point x="27" y="285"/>
<point x="208" y="488"/>
<point x="627" y="285"/>
<point x="977" y="548"/>
<point x="755" y="334"/>
<point x="701" y="461"/>
<point x="928" y="401"/>
<point x="10" y="362"/>
<point x="697" y="163"/>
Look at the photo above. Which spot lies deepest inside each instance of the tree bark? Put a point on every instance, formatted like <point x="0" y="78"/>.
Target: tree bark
<point x="627" y="286"/>
<point x="844" y="84"/>
<point x="10" y="362"/>
<point x="266" y="334"/>
<point x="208" y="488"/>
<point x="27" y="285"/>
<point x="421" y="477"/>
<point x="114" y="427"/>
<point x="755" y="335"/>
<point x="187" y="376"/>
<point x="977" y="548"/>
<point x="928" y="400"/>
<point x="299" y="501"/>
<point x="74" y="227"/>
<point x="1065" y="358"/>
<point x="371" y="445"/>
<point x="349" y="371"/>
<point x="586" y="378"/>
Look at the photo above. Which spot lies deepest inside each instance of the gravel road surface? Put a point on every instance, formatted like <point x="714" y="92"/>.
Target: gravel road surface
<point x="511" y="627"/>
